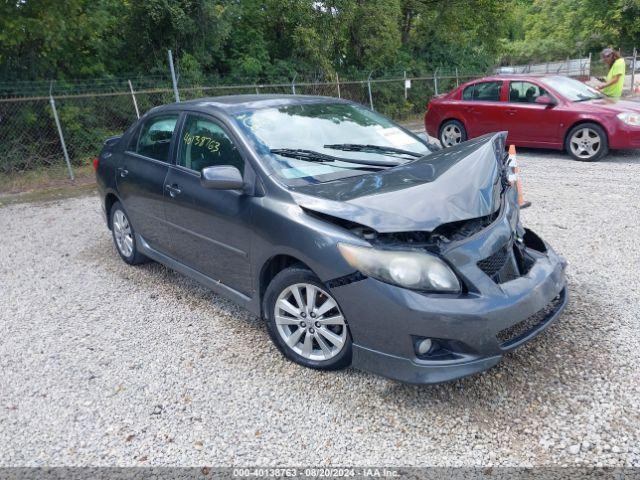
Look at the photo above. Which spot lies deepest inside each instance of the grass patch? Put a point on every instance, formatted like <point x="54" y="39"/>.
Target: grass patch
<point x="49" y="194"/>
<point x="44" y="178"/>
<point x="45" y="183"/>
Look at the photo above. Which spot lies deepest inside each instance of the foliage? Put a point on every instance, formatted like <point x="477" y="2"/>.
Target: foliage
<point x="551" y="30"/>
<point x="265" y="41"/>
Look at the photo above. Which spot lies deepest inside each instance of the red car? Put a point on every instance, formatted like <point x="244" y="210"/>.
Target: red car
<point x="538" y="111"/>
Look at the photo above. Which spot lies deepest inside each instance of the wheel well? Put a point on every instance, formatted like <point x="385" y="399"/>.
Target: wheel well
<point x="109" y="200"/>
<point x="272" y="267"/>
<point x="582" y="122"/>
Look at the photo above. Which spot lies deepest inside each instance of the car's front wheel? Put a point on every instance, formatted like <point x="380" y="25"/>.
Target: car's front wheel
<point x="305" y="322"/>
<point x="124" y="236"/>
<point x="587" y="142"/>
<point x="452" y="132"/>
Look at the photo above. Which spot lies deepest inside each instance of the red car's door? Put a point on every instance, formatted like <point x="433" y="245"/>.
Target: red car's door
<point x="529" y="123"/>
<point x="482" y="108"/>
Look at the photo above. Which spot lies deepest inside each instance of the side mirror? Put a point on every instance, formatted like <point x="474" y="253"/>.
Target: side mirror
<point x="546" y="100"/>
<point x="224" y="177"/>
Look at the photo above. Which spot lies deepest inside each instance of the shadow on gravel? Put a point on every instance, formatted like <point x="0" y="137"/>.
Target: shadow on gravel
<point x="563" y="359"/>
<point x="158" y="279"/>
<point x="554" y="372"/>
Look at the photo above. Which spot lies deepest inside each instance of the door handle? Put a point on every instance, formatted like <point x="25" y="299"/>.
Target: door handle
<point x="173" y="190"/>
<point x="123" y="172"/>
<point x="511" y="111"/>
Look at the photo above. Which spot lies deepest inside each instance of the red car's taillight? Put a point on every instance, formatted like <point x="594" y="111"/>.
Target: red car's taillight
<point x="96" y="162"/>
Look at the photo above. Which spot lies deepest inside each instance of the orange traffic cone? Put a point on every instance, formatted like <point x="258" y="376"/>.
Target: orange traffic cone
<point x="514" y="177"/>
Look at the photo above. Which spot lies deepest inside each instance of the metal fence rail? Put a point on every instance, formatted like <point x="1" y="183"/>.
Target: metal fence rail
<point x="576" y="67"/>
<point x="66" y="130"/>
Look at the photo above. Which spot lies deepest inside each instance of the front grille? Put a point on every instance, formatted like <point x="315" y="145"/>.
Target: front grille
<point x="494" y="262"/>
<point x="515" y="333"/>
<point x="501" y="265"/>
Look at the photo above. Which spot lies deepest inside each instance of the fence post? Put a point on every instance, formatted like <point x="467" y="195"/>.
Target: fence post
<point x="633" y="70"/>
<point x="173" y="77"/>
<point x="338" y="84"/>
<point x="64" y="145"/>
<point x="405" y="84"/>
<point x="457" y="79"/>
<point x="369" y="87"/>
<point x="435" y="81"/>
<point x="135" y="102"/>
<point x="257" y="91"/>
<point x="293" y="84"/>
<point x="589" y="71"/>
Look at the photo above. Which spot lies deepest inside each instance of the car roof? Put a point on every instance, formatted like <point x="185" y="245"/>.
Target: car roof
<point x="233" y="104"/>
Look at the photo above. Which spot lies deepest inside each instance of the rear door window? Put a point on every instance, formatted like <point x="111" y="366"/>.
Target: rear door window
<point x="483" y="92"/>
<point x="155" y="137"/>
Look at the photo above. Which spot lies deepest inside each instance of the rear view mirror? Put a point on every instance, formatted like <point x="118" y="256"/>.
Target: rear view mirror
<point x="224" y="177"/>
<point x="546" y="100"/>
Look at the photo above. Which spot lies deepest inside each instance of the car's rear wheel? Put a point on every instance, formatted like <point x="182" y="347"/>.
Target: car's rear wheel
<point x="452" y="132"/>
<point x="305" y="322"/>
<point x="124" y="236"/>
<point x="587" y="142"/>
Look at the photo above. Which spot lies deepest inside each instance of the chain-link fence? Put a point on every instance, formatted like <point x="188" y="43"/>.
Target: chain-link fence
<point x="30" y="138"/>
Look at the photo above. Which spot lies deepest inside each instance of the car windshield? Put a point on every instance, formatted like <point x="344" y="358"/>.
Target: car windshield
<point x="572" y="90"/>
<point x="304" y="143"/>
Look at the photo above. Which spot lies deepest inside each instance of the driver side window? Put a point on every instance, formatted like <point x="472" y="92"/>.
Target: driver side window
<point x="205" y="144"/>
<point x="525" y="92"/>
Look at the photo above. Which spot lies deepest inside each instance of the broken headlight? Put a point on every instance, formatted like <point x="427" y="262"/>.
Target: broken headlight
<point x="408" y="269"/>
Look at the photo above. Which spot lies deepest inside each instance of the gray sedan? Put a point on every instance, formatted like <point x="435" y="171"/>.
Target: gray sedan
<point x="357" y="241"/>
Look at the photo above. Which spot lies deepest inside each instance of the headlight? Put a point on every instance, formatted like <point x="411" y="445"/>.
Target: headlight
<point x="630" y="118"/>
<point x="414" y="270"/>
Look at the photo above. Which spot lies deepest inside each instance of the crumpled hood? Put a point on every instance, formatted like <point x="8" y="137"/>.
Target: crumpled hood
<point x="454" y="184"/>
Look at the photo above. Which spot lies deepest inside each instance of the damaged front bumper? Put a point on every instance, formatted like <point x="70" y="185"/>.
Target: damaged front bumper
<point x="470" y="331"/>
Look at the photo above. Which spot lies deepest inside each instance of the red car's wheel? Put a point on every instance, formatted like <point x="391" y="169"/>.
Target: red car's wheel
<point x="587" y="142"/>
<point x="452" y="132"/>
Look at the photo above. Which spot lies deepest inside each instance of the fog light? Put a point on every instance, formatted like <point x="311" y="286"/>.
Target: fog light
<point x="424" y="346"/>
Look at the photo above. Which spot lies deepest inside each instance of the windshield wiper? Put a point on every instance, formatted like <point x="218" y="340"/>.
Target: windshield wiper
<point x="313" y="156"/>
<point x="356" y="147"/>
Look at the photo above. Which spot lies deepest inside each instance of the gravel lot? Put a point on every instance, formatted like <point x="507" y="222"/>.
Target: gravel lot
<point x="105" y="364"/>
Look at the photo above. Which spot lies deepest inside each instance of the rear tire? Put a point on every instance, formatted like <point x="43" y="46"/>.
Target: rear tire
<point x="305" y="322"/>
<point x="587" y="142"/>
<point x="124" y="237"/>
<point x="452" y="133"/>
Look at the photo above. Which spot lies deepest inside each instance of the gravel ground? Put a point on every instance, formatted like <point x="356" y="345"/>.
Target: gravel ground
<point x="106" y="364"/>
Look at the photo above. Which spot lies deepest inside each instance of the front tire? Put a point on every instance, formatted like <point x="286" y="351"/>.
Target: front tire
<point x="452" y="133"/>
<point x="305" y="322"/>
<point x="124" y="236"/>
<point x="587" y="142"/>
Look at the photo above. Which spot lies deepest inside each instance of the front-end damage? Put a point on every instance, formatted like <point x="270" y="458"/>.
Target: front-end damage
<point x="513" y="283"/>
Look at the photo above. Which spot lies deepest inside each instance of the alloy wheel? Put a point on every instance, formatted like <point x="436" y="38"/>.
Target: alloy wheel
<point x="585" y="143"/>
<point x="451" y="135"/>
<point x="122" y="233"/>
<point x="310" y="322"/>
